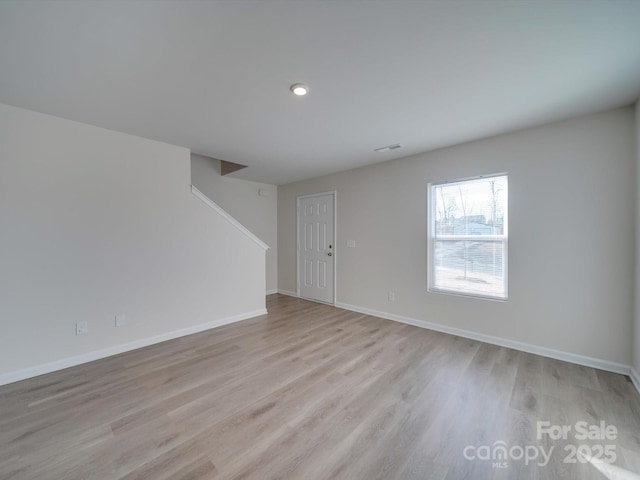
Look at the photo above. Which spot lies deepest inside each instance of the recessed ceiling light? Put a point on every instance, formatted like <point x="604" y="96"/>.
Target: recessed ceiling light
<point x="299" y="89"/>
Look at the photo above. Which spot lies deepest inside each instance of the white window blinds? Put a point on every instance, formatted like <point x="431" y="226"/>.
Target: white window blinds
<point x="468" y="237"/>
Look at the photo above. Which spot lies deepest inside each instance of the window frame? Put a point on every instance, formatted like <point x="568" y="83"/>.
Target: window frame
<point x="431" y="240"/>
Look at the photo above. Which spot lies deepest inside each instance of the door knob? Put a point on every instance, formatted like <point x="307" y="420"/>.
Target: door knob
<point x="330" y="254"/>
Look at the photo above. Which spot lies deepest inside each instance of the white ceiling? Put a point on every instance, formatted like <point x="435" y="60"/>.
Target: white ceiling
<point x="214" y="76"/>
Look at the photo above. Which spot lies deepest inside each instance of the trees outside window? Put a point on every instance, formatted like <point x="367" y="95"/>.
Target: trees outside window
<point x="468" y="237"/>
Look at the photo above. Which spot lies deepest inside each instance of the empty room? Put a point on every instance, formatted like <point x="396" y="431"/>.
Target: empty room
<point x="319" y="239"/>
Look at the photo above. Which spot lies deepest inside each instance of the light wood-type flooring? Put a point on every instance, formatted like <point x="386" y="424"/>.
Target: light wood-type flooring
<point x="310" y="392"/>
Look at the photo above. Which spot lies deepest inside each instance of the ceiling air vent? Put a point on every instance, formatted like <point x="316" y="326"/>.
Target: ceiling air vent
<point x="388" y="148"/>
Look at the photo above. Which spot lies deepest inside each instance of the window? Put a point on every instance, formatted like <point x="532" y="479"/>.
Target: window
<point x="468" y="237"/>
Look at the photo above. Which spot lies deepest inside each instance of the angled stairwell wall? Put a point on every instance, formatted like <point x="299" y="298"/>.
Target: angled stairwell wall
<point x="253" y="204"/>
<point x="95" y="223"/>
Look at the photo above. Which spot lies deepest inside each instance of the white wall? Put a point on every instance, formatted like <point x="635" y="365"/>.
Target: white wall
<point x="636" y="341"/>
<point x="571" y="247"/>
<point x="240" y="199"/>
<point x="95" y="223"/>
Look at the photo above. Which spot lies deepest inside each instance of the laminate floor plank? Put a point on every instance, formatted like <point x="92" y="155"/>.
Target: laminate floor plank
<point x="312" y="392"/>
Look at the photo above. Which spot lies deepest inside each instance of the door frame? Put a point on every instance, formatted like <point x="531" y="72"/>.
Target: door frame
<point x="334" y="193"/>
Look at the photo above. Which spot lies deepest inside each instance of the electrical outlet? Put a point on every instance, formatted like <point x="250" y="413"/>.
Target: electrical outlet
<point x="82" y="328"/>
<point x="121" y="320"/>
<point x="392" y="296"/>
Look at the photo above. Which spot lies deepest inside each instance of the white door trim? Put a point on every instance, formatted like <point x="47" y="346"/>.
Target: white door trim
<point x="335" y="236"/>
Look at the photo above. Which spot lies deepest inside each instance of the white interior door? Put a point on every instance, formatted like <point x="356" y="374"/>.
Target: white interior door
<point x="316" y="247"/>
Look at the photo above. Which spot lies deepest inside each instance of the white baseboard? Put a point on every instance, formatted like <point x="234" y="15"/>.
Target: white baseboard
<point x="30" y="372"/>
<point x="271" y="292"/>
<point x="635" y="378"/>
<point x="293" y="294"/>
<point x="503" y="342"/>
<point x="287" y="292"/>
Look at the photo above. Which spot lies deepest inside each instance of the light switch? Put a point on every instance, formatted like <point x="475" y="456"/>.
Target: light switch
<point x="121" y="320"/>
